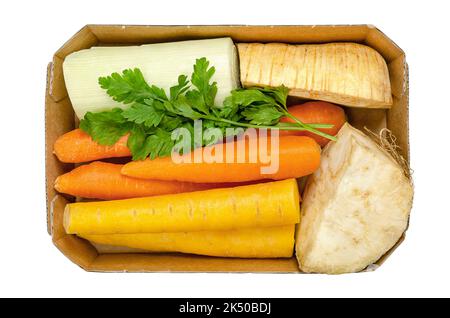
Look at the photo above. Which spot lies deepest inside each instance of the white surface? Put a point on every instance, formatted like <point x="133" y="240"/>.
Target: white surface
<point x="31" y="266"/>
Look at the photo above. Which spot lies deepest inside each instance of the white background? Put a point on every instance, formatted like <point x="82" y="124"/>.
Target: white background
<point x="32" y="31"/>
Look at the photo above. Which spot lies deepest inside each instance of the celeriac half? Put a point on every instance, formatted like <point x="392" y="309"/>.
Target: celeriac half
<point x="355" y="206"/>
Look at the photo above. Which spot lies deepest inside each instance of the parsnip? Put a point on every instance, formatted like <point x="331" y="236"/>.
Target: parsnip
<point x="344" y="73"/>
<point x="268" y="242"/>
<point x="259" y="205"/>
<point x="161" y="64"/>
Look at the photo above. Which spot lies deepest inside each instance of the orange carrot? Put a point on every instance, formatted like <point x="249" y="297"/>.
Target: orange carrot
<point x="102" y="180"/>
<point x="77" y="146"/>
<point x="297" y="156"/>
<point x="316" y="113"/>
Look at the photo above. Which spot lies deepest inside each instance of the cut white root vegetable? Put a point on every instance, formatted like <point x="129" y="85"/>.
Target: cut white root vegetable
<point x="355" y="206"/>
<point x="350" y="74"/>
<point x="161" y="64"/>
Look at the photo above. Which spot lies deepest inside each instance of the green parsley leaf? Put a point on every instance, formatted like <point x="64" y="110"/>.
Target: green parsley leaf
<point x="154" y="143"/>
<point x="266" y="115"/>
<point x="178" y="137"/>
<point x="170" y="123"/>
<point x="179" y="89"/>
<point x="182" y="107"/>
<point x="136" y="141"/>
<point x="149" y="115"/>
<point x="229" y="108"/>
<point x="247" y="97"/>
<point x="279" y="94"/>
<point x="105" y="127"/>
<point x="128" y="87"/>
<point x="206" y="92"/>
<point x="159" y="144"/>
<point x="196" y="101"/>
<point x="158" y="93"/>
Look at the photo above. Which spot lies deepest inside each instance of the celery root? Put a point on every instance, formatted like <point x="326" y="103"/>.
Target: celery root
<point x="355" y="207"/>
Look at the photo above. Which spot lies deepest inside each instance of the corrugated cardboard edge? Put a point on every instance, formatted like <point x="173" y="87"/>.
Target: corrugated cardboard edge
<point x="406" y="155"/>
<point x="155" y="262"/>
<point x="402" y="93"/>
<point x="47" y="198"/>
<point x="51" y="113"/>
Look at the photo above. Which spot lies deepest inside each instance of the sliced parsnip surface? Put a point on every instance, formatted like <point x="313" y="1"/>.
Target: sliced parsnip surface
<point x="349" y="74"/>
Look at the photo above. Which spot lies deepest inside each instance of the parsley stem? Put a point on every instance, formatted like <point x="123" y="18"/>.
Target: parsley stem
<point x="311" y="125"/>
<point x="302" y="127"/>
<point x="308" y="127"/>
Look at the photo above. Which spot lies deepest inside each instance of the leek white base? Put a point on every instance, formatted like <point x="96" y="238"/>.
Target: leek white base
<point x="160" y="63"/>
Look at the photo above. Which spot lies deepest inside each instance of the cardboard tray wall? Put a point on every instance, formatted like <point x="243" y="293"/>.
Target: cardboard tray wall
<point x="59" y="118"/>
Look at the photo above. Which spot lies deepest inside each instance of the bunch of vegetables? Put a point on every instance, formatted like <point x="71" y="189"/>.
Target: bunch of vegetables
<point x="153" y="114"/>
<point x="144" y="131"/>
<point x="356" y="200"/>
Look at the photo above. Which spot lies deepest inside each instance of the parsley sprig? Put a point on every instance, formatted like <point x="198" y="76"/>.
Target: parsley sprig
<point x="153" y="115"/>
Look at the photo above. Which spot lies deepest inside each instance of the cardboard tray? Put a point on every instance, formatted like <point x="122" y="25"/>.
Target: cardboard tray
<point x="59" y="119"/>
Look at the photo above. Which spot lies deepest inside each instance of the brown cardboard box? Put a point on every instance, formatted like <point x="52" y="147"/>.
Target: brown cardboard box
<point x="59" y="119"/>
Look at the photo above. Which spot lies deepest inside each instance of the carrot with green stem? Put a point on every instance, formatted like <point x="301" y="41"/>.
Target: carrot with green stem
<point x="76" y="146"/>
<point x="322" y="119"/>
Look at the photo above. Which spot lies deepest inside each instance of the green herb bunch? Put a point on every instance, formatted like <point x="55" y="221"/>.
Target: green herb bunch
<point x="153" y="114"/>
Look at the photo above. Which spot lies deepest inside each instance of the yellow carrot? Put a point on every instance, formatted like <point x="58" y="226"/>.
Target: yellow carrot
<point x="268" y="242"/>
<point x="259" y="205"/>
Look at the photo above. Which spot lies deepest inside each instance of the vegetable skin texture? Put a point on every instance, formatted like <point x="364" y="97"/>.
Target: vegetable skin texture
<point x="102" y="180"/>
<point x="268" y="242"/>
<point x="356" y="206"/>
<point x="76" y="146"/>
<point x="348" y="74"/>
<point x="298" y="156"/>
<point x="315" y="113"/>
<point x="260" y="205"/>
